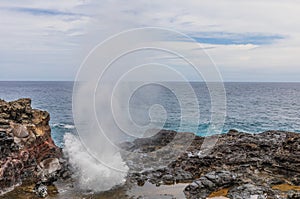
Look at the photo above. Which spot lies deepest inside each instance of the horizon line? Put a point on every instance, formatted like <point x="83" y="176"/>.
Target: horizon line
<point x="192" y="81"/>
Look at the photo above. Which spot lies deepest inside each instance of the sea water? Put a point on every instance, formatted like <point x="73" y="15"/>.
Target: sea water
<point x="251" y="107"/>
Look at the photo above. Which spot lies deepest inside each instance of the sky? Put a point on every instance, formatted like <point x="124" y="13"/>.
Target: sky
<point x="247" y="40"/>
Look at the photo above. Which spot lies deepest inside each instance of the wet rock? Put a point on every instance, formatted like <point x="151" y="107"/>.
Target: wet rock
<point x="250" y="191"/>
<point x="296" y="180"/>
<point x="49" y="168"/>
<point x="293" y="195"/>
<point x="2" y="134"/>
<point x="182" y="176"/>
<point x="258" y="161"/>
<point x="168" y="179"/>
<point x="41" y="190"/>
<point x="274" y="181"/>
<point x="209" y="183"/>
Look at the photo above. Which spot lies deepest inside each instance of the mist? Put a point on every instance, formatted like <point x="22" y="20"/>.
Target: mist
<point x="105" y="85"/>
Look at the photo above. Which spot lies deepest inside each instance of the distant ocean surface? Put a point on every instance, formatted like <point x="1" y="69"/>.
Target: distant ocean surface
<point x="251" y="107"/>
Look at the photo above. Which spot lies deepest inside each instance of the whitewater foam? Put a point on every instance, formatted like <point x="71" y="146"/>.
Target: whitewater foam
<point x="90" y="174"/>
<point x="64" y="126"/>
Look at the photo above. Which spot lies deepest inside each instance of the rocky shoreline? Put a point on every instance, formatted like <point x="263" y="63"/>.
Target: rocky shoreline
<point x="240" y="165"/>
<point x="27" y="151"/>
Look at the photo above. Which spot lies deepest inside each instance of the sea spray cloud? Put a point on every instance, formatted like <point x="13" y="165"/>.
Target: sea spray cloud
<point x="105" y="85"/>
<point x="91" y="174"/>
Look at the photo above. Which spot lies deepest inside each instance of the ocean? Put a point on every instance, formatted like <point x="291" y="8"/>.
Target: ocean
<point x="251" y="107"/>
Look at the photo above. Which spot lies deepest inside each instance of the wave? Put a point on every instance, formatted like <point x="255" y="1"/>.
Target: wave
<point x="64" y="126"/>
<point x="90" y="174"/>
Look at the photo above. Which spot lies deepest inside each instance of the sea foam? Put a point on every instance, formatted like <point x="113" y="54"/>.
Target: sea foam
<point x="90" y="174"/>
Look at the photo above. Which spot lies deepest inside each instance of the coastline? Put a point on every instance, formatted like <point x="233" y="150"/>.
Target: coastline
<point x="28" y="152"/>
<point x="240" y="165"/>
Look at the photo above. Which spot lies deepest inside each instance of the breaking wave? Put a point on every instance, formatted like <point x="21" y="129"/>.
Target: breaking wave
<point x="90" y="173"/>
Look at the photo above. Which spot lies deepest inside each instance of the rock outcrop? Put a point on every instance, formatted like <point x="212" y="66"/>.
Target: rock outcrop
<point x="211" y="182"/>
<point x="27" y="151"/>
<point x="240" y="165"/>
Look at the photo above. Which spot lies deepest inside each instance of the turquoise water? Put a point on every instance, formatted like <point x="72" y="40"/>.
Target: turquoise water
<point x="251" y="107"/>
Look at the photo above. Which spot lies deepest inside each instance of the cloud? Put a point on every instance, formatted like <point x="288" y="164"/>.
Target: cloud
<point x="40" y="12"/>
<point x="39" y="41"/>
<point x="240" y="36"/>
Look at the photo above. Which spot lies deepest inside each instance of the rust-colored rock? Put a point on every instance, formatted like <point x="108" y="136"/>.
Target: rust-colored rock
<point x="27" y="151"/>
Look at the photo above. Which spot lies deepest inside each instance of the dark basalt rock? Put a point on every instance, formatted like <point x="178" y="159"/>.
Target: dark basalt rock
<point x="250" y="191"/>
<point x="202" y="187"/>
<point x="293" y="195"/>
<point x="41" y="190"/>
<point x="27" y="151"/>
<point x="258" y="162"/>
<point x="152" y="143"/>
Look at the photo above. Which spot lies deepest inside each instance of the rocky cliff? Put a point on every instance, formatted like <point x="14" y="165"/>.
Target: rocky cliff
<point x="27" y="151"/>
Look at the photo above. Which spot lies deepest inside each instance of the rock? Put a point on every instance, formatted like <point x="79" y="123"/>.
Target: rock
<point x="155" y="142"/>
<point x="296" y="180"/>
<point x="48" y="168"/>
<point x="249" y="191"/>
<point x="168" y="179"/>
<point x="274" y="181"/>
<point x="20" y="131"/>
<point x="41" y="190"/>
<point x="293" y="195"/>
<point x="27" y="151"/>
<point x="182" y="176"/>
<point x="4" y="121"/>
<point x="209" y="183"/>
<point x="2" y="134"/>
<point x="249" y="164"/>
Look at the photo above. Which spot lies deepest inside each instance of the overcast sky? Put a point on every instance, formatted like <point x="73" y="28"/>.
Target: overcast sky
<point x="248" y="40"/>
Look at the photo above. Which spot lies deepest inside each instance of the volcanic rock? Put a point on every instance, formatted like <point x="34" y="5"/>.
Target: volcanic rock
<point x="263" y="165"/>
<point x="27" y="151"/>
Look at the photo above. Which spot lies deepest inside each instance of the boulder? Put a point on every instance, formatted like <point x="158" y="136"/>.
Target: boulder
<point x="205" y="185"/>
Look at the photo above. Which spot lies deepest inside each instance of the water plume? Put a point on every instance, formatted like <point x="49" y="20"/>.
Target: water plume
<point x="105" y="84"/>
<point x="89" y="173"/>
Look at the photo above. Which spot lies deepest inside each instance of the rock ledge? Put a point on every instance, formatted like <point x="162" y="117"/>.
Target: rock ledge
<point x="241" y="165"/>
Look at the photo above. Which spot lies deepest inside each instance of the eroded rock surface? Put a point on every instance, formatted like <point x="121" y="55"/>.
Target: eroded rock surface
<point x="27" y="151"/>
<point x="211" y="182"/>
<point x="247" y="165"/>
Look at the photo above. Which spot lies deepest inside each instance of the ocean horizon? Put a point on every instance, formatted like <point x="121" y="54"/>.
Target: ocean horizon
<point x="252" y="107"/>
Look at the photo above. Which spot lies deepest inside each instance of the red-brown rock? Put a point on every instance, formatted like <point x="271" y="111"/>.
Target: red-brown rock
<point x="27" y="151"/>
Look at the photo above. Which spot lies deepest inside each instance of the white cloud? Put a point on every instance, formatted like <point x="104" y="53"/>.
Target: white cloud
<point x="38" y="40"/>
<point x="237" y="62"/>
<point x="94" y="21"/>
